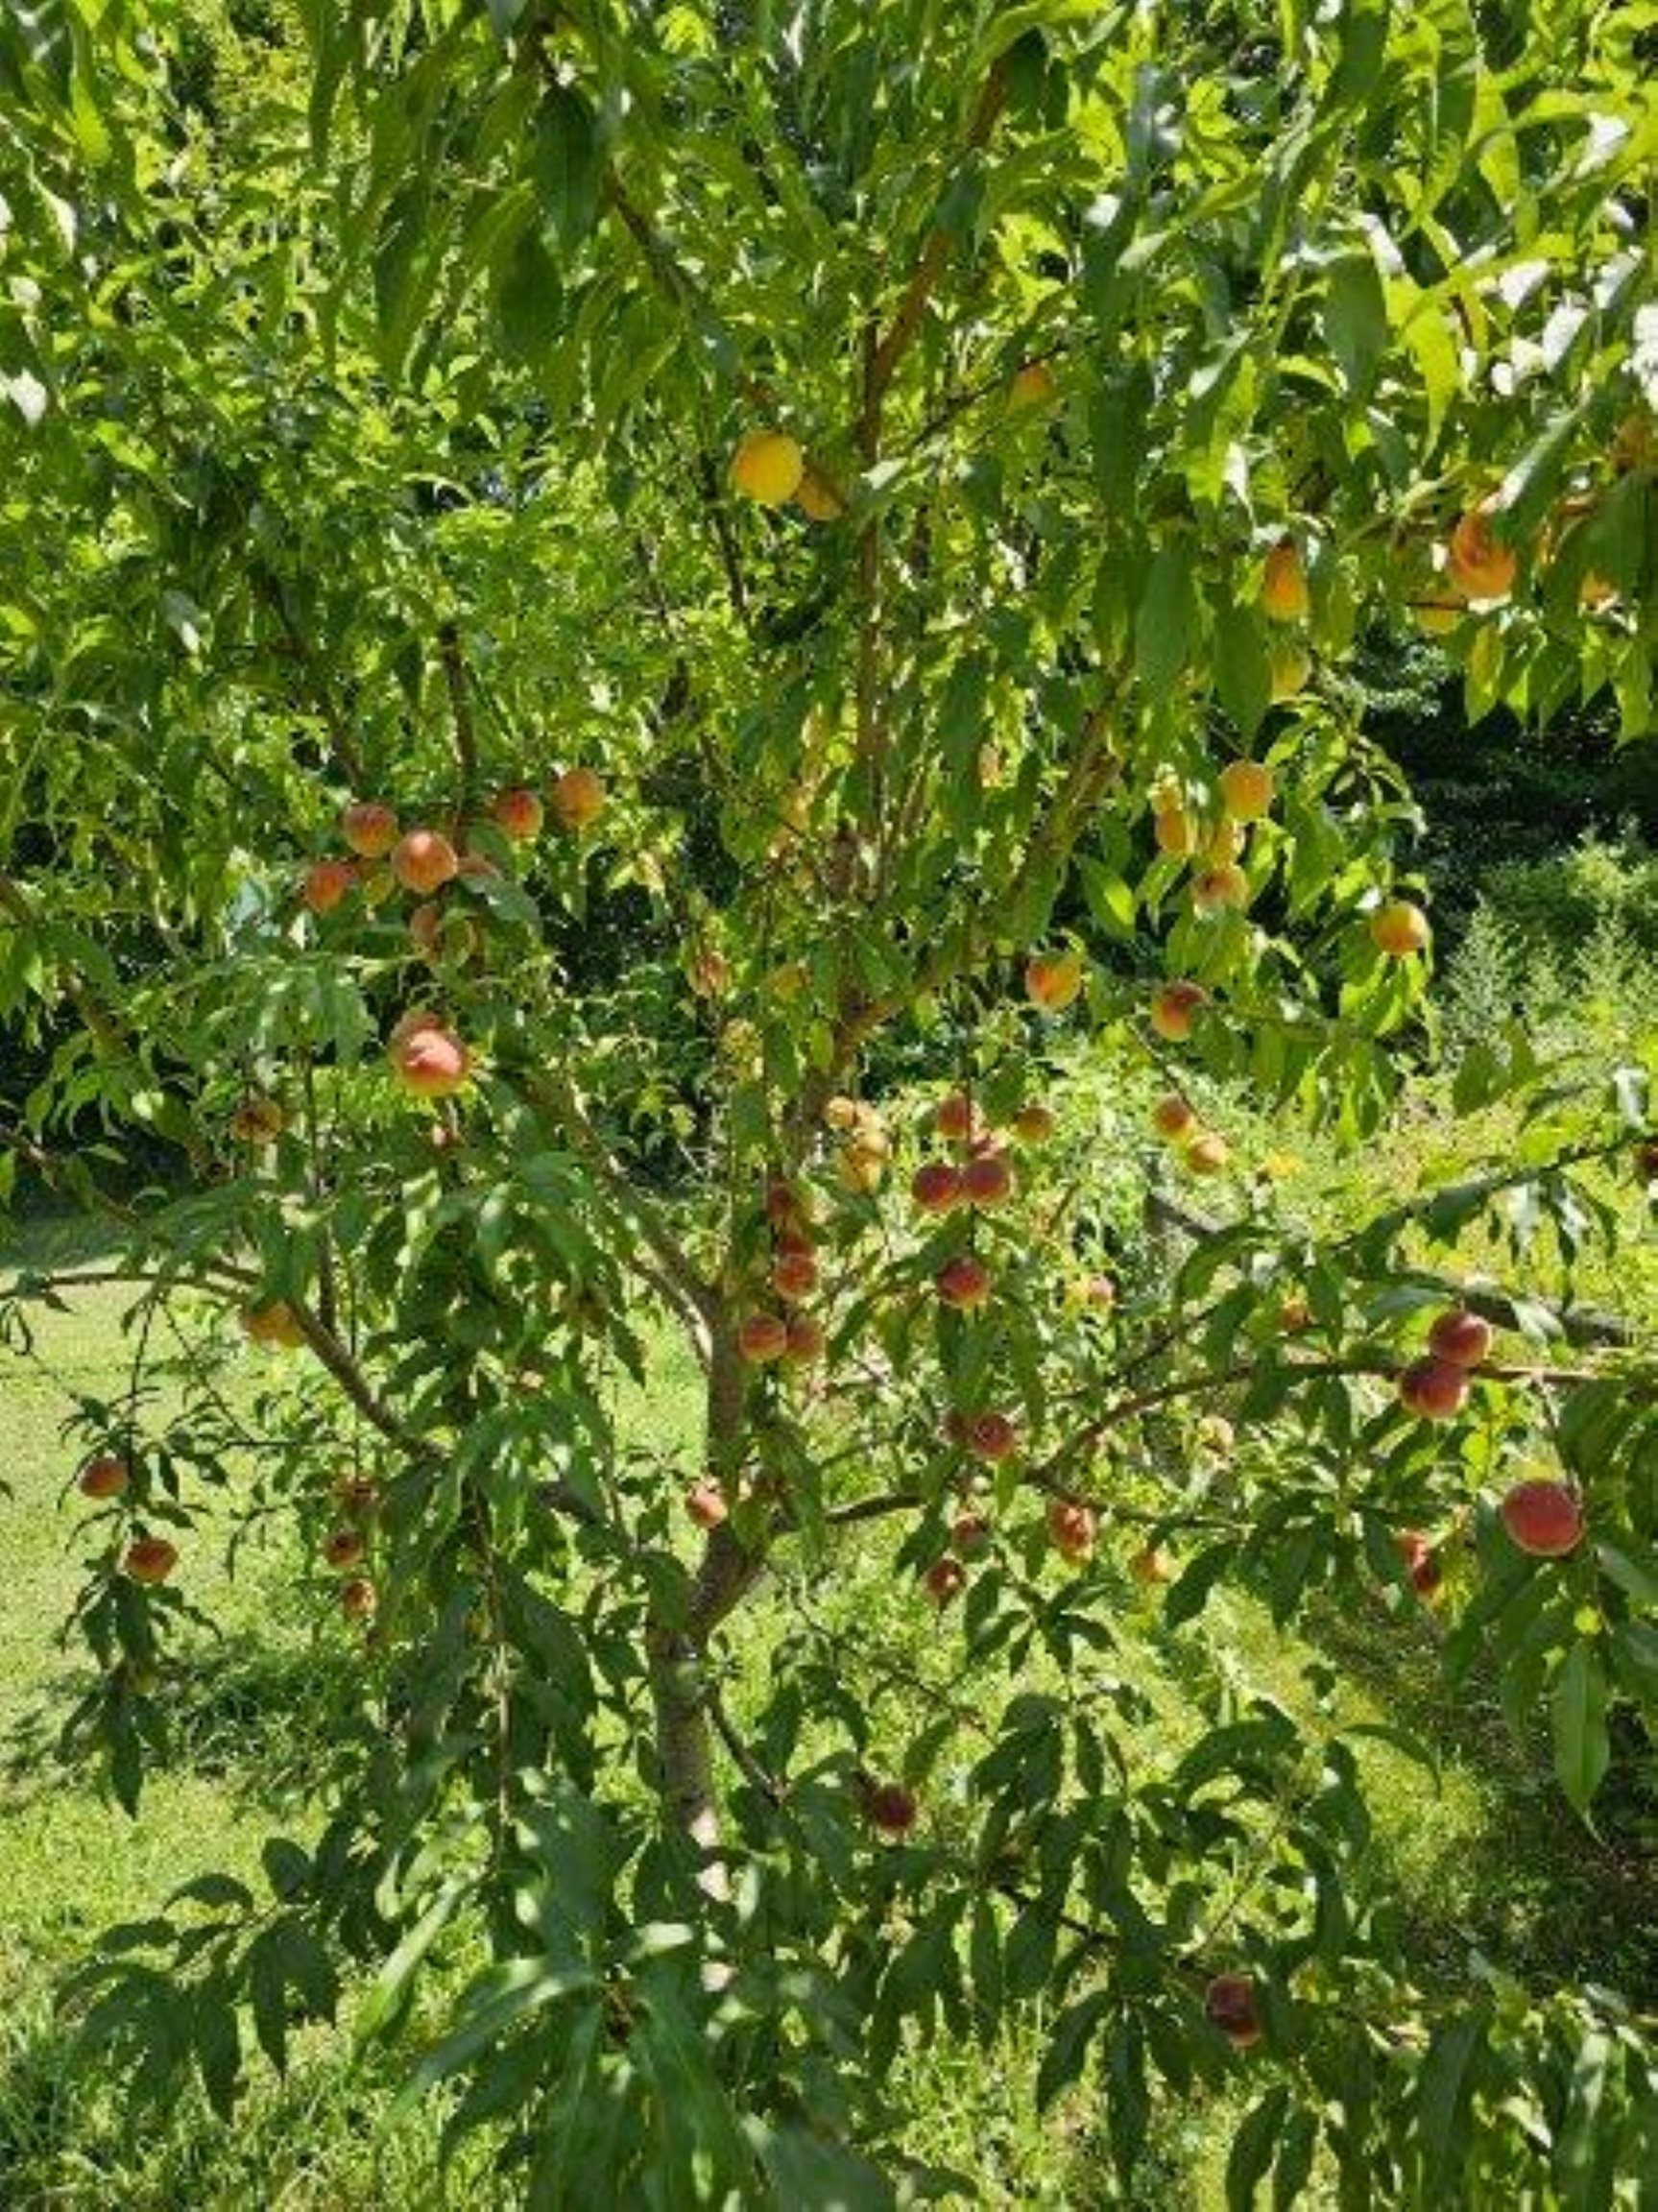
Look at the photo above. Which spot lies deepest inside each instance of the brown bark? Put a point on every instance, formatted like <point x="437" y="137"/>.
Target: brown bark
<point x="685" y="1736"/>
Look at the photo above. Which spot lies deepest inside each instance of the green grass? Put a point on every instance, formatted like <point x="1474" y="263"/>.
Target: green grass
<point x="1488" y="1859"/>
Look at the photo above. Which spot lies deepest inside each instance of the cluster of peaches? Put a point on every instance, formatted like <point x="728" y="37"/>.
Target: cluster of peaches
<point x="107" y="1477"/>
<point x="1543" y="1517"/>
<point x="428" y="1059"/>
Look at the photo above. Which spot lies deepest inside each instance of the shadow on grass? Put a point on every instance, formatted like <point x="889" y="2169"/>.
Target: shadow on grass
<point x="1547" y="1898"/>
<point x="265" y="1719"/>
<point x="1558" y="1897"/>
<point x="317" y="2139"/>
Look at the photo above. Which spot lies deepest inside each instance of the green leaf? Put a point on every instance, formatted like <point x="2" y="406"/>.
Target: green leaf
<point x="1355" y="321"/>
<point x="529" y="298"/>
<point x="567" y="165"/>
<point x="1162" y="628"/>
<point x="1253" y="2148"/>
<point x="1445" y="2095"/>
<point x="1577" y="1714"/>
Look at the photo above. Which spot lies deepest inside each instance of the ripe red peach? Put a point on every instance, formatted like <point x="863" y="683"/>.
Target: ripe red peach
<point x="993" y="1436"/>
<point x="705" y="1502"/>
<point x="1461" y="1337"/>
<point x="1434" y="1390"/>
<point x="807" y="1338"/>
<point x="1421" y="1561"/>
<point x="1230" y="2004"/>
<point x="969" y="1535"/>
<point x="358" y="1599"/>
<point x="431" y="1062"/>
<point x="962" y="1283"/>
<point x="1543" y="1518"/>
<point x="326" y="883"/>
<point x="763" y="1336"/>
<point x="945" y="1579"/>
<point x="956" y="1117"/>
<point x="891" y="1808"/>
<point x="343" y="1550"/>
<point x="518" y="815"/>
<point x="150" y="1559"/>
<point x="105" y="1476"/>
<point x="987" y="1180"/>
<point x="794" y="1275"/>
<point x="1072" y="1529"/>
<point x="936" y="1187"/>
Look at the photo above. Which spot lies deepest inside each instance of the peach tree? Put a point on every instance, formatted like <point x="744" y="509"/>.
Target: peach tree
<point x="621" y="626"/>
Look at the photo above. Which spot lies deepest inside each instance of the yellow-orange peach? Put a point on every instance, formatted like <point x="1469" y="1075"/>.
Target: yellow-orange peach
<point x="578" y="798"/>
<point x="1033" y="385"/>
<point x="767" y="467"/>
<point x="1480" y="564"/>
<point x="1246" y="788"/>
<point x="369" y="828"/>
<point x="423" y="861"/>
<point x="1207" y="1153"/>
<point x="1215" y="889"/>
<point x="816" y="497"/>
<point x="275" y="1325"/>
<point x="1399" y="928"/>
<point x="1174" y="1117"/>
<point x="1283" y="592"/>
<point x="1053" y="980"/>
<point x="1174" y="1007"/>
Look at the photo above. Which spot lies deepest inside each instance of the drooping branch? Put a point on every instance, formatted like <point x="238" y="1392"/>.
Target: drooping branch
<point x="1586" y="1326"/>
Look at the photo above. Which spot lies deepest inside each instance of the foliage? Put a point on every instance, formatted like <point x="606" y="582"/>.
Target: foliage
<point x="384" y="432"/>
